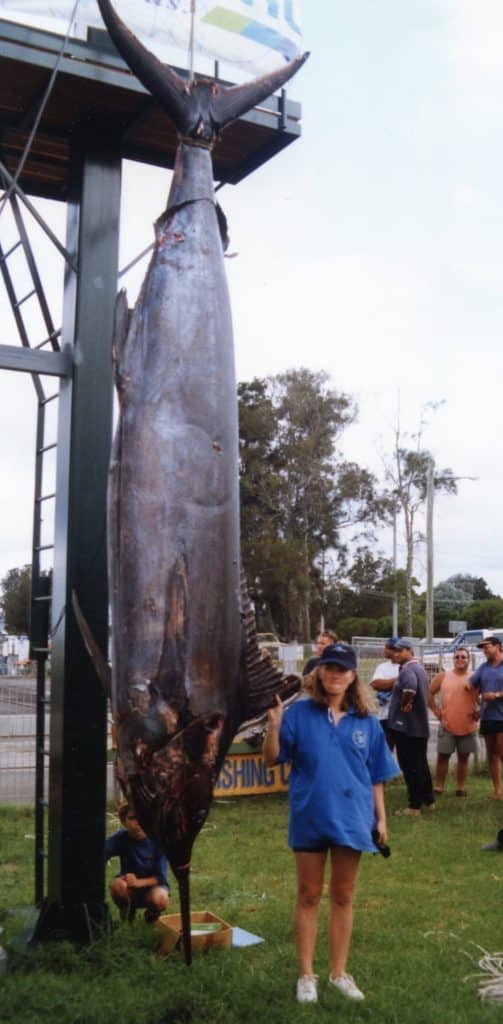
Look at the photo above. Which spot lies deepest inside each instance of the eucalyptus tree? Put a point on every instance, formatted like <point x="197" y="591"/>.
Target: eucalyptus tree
<point x="299" y="495"/>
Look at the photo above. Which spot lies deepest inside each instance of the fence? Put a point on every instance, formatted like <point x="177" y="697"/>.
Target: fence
<point x="433" y="656"/>
<point x="17" y="741"/>
<point x="18" y="708"/>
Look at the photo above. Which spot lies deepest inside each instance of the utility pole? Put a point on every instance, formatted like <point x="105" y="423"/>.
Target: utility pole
<point x="394" y="614"/>
<point x="430" y="490"/>
<point x="430" y="485"/>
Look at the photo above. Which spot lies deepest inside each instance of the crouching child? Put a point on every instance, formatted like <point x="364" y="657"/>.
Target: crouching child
<point x="142" y="879"/>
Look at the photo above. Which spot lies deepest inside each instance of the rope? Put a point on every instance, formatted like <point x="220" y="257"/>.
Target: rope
<point x="191" y="39"/>
<point x="491" y="988"/>
<point x="43" y="104"/>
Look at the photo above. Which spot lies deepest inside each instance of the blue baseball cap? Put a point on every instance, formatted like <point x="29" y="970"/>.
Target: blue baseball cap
<point x="401" y="644"/>
<point x="338" y="654"/>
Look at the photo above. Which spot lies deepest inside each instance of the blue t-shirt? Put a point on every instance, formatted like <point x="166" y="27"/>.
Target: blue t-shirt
<point x="489" y="679"/>
<point x="333" y="770"/>
<point x="139" y="857"/>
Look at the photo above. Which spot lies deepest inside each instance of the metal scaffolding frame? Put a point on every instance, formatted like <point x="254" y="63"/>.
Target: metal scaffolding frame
<point x="97" y="115"/>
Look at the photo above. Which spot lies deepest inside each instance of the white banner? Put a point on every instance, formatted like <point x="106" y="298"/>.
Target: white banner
<point x="254" y="35"/>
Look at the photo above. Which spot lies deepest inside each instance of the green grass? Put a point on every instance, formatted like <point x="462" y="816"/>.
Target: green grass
<point x="418" y="916"/>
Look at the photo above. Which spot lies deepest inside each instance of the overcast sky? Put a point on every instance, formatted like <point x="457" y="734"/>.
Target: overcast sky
<point x="371" y="248"/>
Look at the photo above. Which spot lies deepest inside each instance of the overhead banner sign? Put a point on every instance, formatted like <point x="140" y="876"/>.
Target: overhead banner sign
<point x="254" y="35"/>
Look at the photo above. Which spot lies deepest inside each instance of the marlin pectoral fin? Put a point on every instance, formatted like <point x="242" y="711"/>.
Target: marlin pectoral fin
<point x="101" y="666"/>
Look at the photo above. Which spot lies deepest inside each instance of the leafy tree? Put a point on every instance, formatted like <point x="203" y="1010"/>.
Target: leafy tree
<point x="485" y="614"/>
<point x="298" y="494"/>
<point x="454" y="595"/>
<point x="15" y="600"/>
<point x="408" y="471"/>
<point x="461" y="589"/>
<point x="451" y="596"/>
<point x="481" y="591"/>
<point x="347" y="628"/>
<point x="366" y="592"/>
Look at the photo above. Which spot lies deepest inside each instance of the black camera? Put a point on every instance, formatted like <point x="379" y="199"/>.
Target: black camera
<point x="382" y="848"/>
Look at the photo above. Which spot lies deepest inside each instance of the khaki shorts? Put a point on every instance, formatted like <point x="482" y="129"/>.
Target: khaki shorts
<point x="447" y="742"/>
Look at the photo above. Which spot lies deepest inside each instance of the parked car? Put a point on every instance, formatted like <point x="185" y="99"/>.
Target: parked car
<point x="442" y="658"/>
<point x="270" y="642"/>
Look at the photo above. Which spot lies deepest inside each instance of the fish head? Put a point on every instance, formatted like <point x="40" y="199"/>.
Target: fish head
<point x="172" y="788"/>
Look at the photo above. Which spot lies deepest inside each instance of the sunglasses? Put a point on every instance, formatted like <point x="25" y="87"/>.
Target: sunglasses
<point x="460" y="657"/>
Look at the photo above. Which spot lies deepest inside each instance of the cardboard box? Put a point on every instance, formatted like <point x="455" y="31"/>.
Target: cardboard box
<point x="169" y="927"/>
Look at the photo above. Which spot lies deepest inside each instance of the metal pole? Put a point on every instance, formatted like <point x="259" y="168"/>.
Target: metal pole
<point x="322" y="617"/>
<point x="77" y="780"/>
<point x="429" y="551"/>
<point x="394" y="615"/>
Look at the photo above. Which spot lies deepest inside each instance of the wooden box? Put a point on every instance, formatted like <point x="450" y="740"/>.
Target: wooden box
<point x="169" y="927"/>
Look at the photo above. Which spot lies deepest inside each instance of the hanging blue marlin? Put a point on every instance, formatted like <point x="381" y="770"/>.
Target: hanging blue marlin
<point x="186" y="669"/>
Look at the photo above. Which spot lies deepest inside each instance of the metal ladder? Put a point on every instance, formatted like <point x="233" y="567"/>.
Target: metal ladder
<point x="41" y="581"/>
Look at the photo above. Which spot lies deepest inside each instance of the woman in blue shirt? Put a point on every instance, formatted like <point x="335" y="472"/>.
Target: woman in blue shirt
<point x="340" y="761"/>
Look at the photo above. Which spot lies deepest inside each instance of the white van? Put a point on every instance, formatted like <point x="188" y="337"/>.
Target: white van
<point x="469" y="638"/>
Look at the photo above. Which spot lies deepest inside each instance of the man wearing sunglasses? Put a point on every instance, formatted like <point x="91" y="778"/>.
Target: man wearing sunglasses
<point x="488" y="680"/>
<point x="458" y="715"/>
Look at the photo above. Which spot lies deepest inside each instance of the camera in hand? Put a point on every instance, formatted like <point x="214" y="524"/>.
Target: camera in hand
<point x="383" y="848"/>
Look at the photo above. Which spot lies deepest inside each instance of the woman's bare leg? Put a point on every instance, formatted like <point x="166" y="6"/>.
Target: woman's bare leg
<point x="342" y="885"/>
<point x="310" y="871"/>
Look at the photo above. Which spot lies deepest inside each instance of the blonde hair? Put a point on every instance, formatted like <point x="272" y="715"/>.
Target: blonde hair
<point x="357" y="695"/>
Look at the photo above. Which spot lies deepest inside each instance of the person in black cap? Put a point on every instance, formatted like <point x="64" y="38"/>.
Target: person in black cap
<point x="409" y="726"/>
<point x="340" y="762"/>
<point x="488" y="680"/>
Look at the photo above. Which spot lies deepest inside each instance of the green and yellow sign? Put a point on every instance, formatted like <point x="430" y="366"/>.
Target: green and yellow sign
<point x="244" y="773"/>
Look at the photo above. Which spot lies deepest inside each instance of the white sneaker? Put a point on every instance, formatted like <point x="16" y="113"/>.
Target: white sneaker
<point x="307" y="991"/>
<point x="347" y="985"/>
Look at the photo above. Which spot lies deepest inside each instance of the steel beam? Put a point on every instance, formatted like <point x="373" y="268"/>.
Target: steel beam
<point x="28" y="360"/>
<point x="77" y="778"/>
